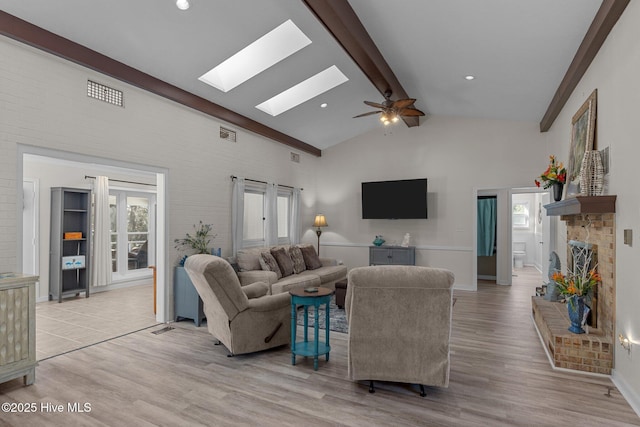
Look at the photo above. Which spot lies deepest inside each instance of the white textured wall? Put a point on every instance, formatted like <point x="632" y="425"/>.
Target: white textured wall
<point x="614" y="72"/>
<point x="43" y="103"/>
<point x="456" y="155"/>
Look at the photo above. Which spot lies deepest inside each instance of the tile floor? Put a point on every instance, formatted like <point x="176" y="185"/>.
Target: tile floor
<point x="79" y="322"/>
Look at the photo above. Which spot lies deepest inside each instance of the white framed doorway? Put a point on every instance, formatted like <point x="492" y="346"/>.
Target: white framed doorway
<point x="504" y="232"/>
<point x="539" y="235"/>
<point x="26" y="227"/>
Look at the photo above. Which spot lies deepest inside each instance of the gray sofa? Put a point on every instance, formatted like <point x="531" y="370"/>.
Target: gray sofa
<point x="251" y="271"/>
<point x="399" y="324"/>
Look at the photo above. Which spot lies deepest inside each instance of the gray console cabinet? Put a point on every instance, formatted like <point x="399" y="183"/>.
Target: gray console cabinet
<point x="187" y="302"/>
<point x="392" y="255"/>
<point x="70" y="243"/>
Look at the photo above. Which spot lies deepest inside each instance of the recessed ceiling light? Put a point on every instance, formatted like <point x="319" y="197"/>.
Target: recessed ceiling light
<point x="303" y="91"/>
<point x="469" y="77"/>
<point x="182" y="4"/>
<point x="268" y="50"/>
<point x="323" y="105"/>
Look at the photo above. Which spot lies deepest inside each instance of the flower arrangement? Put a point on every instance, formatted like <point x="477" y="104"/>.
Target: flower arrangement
<point x="555" y="173"/>
<point x="576" y="284"/>
<point x="198" y="241"/>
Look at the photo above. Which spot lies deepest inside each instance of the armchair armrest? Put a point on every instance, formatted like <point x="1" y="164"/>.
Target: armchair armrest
<point x="256" y="290"/>
<point x="248" y="277"/>
<point x="270" y="302"/>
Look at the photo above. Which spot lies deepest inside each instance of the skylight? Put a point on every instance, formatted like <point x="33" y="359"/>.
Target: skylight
<point x="268" y="50"/>
<point x="303" y="91"/>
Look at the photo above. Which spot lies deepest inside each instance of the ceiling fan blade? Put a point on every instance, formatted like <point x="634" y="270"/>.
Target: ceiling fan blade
<point x="374" y="104"/>
<point x="366" y="114"/>
<point x="410" y="112"/>
<point x="403" y="103"/>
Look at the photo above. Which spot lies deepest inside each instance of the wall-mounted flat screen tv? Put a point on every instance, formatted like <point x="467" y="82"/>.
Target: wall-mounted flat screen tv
<point x="403" y="199"/>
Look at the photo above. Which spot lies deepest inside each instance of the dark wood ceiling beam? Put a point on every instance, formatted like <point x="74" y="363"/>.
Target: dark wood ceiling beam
<point x="341" y="21"/>
<point x="25" y="32"/>
<point x="602" y="24"/>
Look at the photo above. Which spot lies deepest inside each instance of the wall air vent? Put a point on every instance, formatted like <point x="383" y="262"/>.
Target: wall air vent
<point x="228" y="134"/>
<point x="295" y="157"/>
<point x="105" y="93"/>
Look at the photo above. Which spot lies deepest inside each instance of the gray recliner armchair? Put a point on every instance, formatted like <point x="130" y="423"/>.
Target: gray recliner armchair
<point x="399" y="324"/>
<point x="243" y="318"/>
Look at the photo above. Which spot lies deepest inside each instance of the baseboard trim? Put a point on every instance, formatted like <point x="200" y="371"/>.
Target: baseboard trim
<point x="627" y="392"/>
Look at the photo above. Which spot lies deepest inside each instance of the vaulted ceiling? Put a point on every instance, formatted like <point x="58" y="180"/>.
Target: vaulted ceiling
<point x="518" y="51"/>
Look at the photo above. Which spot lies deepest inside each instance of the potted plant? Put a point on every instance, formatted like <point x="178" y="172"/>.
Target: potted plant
<point x="555" y="175"/>
<point x="197" y="243"/>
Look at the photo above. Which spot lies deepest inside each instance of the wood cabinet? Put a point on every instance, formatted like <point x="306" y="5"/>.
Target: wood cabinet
<point x="17" y="327"/>
<point x="187" y="301"/>
<point x="70" y="242"/>
<point x="392" y="255"/>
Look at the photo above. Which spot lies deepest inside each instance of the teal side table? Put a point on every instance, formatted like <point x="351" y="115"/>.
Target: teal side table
<point x="315" y="348"/>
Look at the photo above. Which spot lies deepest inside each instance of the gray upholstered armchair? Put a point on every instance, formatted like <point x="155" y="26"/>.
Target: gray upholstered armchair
<point x="399" y="324"/>
<point x="243" y="318"/>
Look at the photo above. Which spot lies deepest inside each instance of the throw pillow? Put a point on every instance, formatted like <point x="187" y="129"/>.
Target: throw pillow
<point x="268" y="263"/>
<point x="284" y="261"/>
<point x="311" y="259"/>
<point x="298" y="261"/>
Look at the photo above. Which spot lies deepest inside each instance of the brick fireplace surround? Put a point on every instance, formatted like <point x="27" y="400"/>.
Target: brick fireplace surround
<point x="593" y="351"/>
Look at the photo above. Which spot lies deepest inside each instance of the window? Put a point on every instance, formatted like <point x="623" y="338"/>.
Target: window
<point x="254" y="232"/>
<point x="255" y="218"/>
<point x="520" y="215"/>
<point x="284" y="216"/>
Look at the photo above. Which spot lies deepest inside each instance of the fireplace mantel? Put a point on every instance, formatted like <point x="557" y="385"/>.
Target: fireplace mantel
<point x="582" y="205"/>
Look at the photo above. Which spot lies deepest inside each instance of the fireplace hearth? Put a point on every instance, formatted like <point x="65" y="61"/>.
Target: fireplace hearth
<point x="587" y="234"/>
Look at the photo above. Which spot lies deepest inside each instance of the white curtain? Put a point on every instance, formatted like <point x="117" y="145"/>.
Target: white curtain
<point x="101" y="268"/>
<point x="237" y="214"/>
<point x="294" y="232"/>
<point x="271" y="215"/>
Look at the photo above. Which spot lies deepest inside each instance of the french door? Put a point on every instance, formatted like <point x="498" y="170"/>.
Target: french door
<point x="132" y="233"/>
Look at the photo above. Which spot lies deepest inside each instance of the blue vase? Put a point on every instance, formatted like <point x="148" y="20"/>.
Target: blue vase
<point x="378" y="241"/>
<point x="576" y="313"/>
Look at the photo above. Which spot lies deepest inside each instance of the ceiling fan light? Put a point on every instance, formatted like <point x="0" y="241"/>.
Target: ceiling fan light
<point x="395" y="118"/>
<point x="383" y="118"/>
<point x="182" y="4"/>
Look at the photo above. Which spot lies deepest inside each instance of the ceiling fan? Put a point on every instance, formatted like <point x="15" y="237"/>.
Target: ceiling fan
<point x="391" y="111"/>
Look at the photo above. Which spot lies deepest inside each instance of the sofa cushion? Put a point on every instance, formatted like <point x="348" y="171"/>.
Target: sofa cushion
<point x="298" y="260"/>
<point x="269" y="263"/>
<point x="329" y="274"/>
<point x="284" y="261"/>
<point x="311" y="259"/>
<point x="295" y="281"/>
<point x="249" y="259"/>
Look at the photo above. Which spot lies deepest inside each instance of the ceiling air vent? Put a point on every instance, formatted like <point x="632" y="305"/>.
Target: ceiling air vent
<point x="104" y="93"/>
<point x="228" y="134"/>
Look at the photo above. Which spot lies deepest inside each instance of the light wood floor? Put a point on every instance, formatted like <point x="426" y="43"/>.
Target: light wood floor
<point x="500" y="376"/>
<point x="78" y="322"/>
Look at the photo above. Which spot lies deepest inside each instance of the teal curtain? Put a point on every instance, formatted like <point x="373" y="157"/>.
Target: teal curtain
<point x="486" y="226"/>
